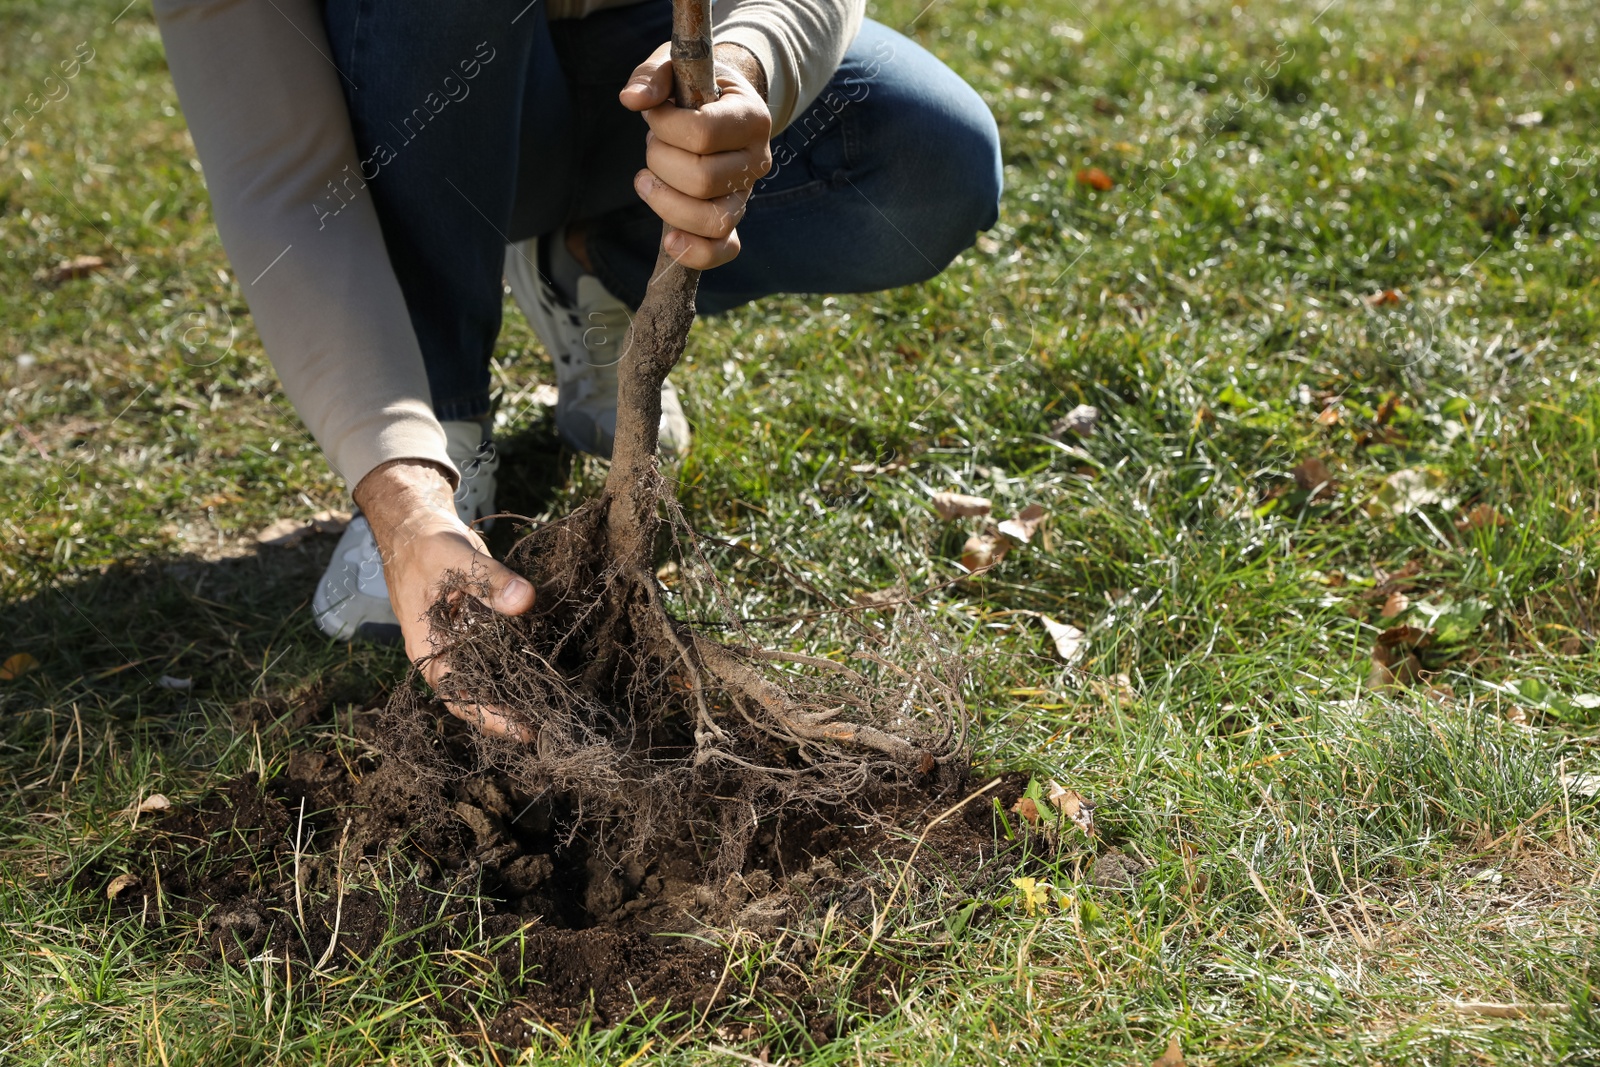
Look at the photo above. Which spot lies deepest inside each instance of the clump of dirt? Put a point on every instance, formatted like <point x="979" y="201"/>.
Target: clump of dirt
<point x="346" y="853"/>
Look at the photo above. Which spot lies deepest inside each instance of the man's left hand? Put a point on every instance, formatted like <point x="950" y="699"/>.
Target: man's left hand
<point x="701" y="164"/>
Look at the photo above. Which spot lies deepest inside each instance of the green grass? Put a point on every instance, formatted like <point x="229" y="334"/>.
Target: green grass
<point x="1334" y="866"/>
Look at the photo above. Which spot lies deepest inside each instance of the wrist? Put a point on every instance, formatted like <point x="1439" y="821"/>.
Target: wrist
<point x="403" y="489"/>
<point x="741" y="59"/>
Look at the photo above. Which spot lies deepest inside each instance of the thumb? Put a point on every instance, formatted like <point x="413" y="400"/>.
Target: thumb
<point x="651" y="81"/>
<point x="509" y="592"/>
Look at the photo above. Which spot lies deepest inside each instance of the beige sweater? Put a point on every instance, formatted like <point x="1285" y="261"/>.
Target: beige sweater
<point x="268" y="119"/>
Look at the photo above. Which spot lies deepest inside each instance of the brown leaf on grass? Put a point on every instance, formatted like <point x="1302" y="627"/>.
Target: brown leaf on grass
<point x="153" y="802"/>
<point x="1393" y="667"/>
<point x="1074" y="805"/>
<point x="16" y="666"/>
<point x="959" y="505"/>
<point x="1397" y="603"/>
<point x="1173" y="1057"/>
<point x="1095" y="178"/>
<point x="1022" y="527"/>
<point x="1386" y="409"/>
<point x="120" y="884"/>
<point x="1068" y="639"/>
<point x="880" y="598"/>
<point x="1080" y="420"/>
<point x="1402" y="637"/>
<point x="1478" y="517"/>
<point x="1027" y="809"/>
<point x="72" y="269"/>
<point x="984" y="550"/>
<point x="1384" y="297"/>
<point x="1329" y="416"/>
<point x="1314" y="475"/>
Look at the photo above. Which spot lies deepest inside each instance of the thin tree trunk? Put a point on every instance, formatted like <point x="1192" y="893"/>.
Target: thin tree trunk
<point x="660" y="328"/>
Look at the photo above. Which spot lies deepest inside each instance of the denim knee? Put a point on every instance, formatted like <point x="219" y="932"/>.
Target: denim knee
<point x="930" y="166"/>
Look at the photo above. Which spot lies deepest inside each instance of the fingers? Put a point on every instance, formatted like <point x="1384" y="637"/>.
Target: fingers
<point x="651" y="81"/>
<point x="509" y="592"/>
<point x="490" y="721"/>
<point x="701" y="253"/>
<point x="714" y="218"/>
<point x="707" y="176"/>
<point x="735" y="119"/>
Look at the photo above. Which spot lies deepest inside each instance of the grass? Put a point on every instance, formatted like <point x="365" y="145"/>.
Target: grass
<point x="1336" y="866"/>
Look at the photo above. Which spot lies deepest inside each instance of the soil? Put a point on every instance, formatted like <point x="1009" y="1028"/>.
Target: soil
<point x="579" y="923"/>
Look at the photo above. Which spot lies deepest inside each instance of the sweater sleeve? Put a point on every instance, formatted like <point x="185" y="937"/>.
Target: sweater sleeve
<point x="799" y="44"/>
<point x="268" y="118"/>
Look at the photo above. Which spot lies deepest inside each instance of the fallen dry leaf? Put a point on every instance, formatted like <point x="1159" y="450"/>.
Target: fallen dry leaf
<point x="72" y="269"/>
<point x="984" y="550"/>
<point x="1080" y="420"/>
<point x="1409" y="490"/>
<point x="119" y="884"/>
<point x="1582" y="785"/>
<point x="1173" y="1057"/>
<point x="959" y="505"/>
<point x="1068" y="639"/>
<point x="1329" y="416"/>
<point x="1028" y="809"/>
<point x="1402" y="637"/>
<point x="1393" y="667"/>
<point x="1386" y="409"/>
<point x="1073" y="805"/>
<point x="1385" y="296"/>
<point x="1095" y="178"/>
<point x="1397" y="603"/>
<point x="16" y="666"/>
<point x="1314" y="475"/>
<point x="880" y="598"/>
<point x="1022" y="527"/>
<point x="153" y="802"/>
<point x="1480" y="516"/>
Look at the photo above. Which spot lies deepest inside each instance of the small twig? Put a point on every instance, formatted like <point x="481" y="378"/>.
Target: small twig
<point x="1506" y="1011"/>
<point x="338" y="907"/>
<point x="299" y="906"/>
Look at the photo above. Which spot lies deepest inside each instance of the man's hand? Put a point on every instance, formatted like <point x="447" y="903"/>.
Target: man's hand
<point x="413" y="517"/>
<point x="701" y="164"/>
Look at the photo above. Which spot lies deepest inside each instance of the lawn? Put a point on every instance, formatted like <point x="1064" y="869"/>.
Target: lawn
<point x="1329" y="273"/>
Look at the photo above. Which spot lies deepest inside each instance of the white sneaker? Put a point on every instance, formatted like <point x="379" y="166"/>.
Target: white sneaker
<point x="585" y="342"/>
<point x="352" y="599"/>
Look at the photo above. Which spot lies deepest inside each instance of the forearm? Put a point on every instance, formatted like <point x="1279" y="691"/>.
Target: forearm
<point x="270" y="125"/>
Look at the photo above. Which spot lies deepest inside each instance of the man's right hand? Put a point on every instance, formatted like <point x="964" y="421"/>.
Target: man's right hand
<point x="410" y="507"/>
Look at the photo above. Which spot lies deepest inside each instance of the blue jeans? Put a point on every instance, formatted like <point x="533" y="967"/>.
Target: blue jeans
<point x="482" y="123"/>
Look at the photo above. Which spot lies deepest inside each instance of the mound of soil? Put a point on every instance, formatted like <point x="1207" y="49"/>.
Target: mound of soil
<point x="291" y="868"/>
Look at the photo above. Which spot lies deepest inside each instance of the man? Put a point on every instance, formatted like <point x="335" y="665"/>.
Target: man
<point x="377" y="167"/>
